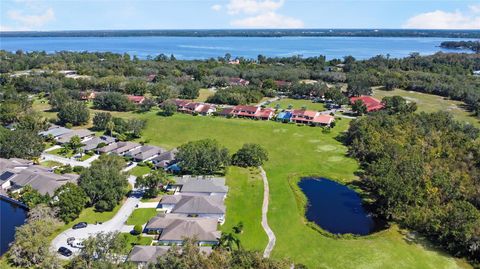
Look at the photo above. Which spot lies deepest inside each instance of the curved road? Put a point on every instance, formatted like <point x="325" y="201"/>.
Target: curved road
<point x="268" y="230"/>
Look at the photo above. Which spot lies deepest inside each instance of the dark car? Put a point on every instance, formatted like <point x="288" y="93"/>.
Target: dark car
<point x="65" y="251"/>
<point x="80" y="225"/>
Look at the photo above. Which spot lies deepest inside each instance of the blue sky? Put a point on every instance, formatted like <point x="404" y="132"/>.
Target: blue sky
<point x="47" y="15"/>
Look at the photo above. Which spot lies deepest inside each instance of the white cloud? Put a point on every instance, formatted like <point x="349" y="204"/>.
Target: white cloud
<point x="216" y="7"/>
<point x="253" y="6"/>
<point x="268" y="20"/>
<point x="439" y="19"/>
<point x="32" y="20"/>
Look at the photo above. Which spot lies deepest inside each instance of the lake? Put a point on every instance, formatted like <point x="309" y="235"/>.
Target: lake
<point x="249" y="47"/>
<point x="336" y="208"/>
<point x="11" y="216"/>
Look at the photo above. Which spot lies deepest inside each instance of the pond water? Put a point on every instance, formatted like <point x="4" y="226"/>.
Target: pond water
<point x="11" y="216"/>
<point x="336" y="208"/>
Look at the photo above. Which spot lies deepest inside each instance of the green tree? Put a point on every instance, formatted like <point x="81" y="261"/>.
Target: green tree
<point x="31" y="197"/>
<point x="70" y="200"/>
<point x="75" y="144"/>
<point x="104" y="182"/>
<point x="359" y="107"/>
<point x="75" y="113"/>
<point x="168" y="108"/>
<point x="202" y="157"/>
<point x="20" y="143"/>
<point x="153" y="182"/>
<point x="250" y="155"/>
<point x="58" y="99"/>
<point x="100" y="121"/>
<point x="110" y="126"/>
<point x="398" y="104"/>
<point x="190" y="90"/>
<point x="136" y="86"/>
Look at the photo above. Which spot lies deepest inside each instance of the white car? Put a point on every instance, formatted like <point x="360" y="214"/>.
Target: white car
<point x="77" y="244"/>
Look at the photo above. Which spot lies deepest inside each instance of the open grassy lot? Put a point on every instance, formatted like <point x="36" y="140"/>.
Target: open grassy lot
<point x="204" y="94"/>
<point x="243" y="203"/>
<point x="60" y="152"/>
<point x="141" y="216"/>
<point x="51" y="164"/>
<point x="432" y="103"/>
<point x="298" y="104"/>
<point x="139" y="171"/>
<point x="294" y="152"/>
<point x="133" y="240"/>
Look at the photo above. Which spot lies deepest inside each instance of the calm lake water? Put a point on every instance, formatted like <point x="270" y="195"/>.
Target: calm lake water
<point x="336" y="208"/>
<point x="11" y="216"/>
<point x="249" y="47"/>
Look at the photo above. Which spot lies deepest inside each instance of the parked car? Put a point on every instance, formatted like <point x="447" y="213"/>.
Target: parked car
<point x="77" y="244"/>
<point x="65" y="251"/>
<point x="70" y="240"/>
<point x="80" y="225"/>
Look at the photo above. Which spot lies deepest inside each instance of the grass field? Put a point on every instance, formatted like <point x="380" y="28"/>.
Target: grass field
<point x="294" y="152"/>
<point x="432" y="103"/>
<point x="298" y="104"/>
<point x="51" y="164"/>
<point x="141" y="216"/>
<point x="140" y="171"/>
<point x="204" y="94"/>
<point x="243" y="203"/>
<point x="133" y="240"/>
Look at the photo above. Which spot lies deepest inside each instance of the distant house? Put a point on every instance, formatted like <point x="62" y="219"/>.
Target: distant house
<point x="18" y="173"/>
<point x="186" y="106"/>
<point x="55" y="131"/>
<point x="144" y="153"/>
<point x="238" y="82"/>
<point x="323" y="120"/>
<point x="188" y="185"/>
<point x="93" y="143"/>
<point x="234" y="62"/>
<point x="174" y="230"/>
<point x="88" y="95"/>
<point x="226" y="112"/>
<point x="194" y="206"/>
<point x="243" y="111"/>
<point x="303" y="116"/>
<point x="82" y="133"/>
<point x="151" y="78"/>
<point x="282" y="84"/>
<point x="265" y="114"/>
<point x="284" y="116"/>
<point x="136" y="99"/>
<point x="119" y="148"/>
<point x="371" y="103"/>
<point x="476" y="73"/>
<point x="165" y="159"/>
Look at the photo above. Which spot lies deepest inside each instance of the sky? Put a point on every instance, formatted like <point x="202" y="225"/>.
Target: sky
<point x="48" y="15"/>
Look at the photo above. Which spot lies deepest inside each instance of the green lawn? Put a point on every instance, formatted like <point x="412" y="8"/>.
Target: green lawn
<point x="85" y="157"/>
<point x="204" y="94"/>
<point x="59" y="152"/>
<point x="133" y="240"/>
<point x="244" y="205"/>
<point x="140" y="170"/>
<point x="90" y="216"/>
<point x="432" y="103"/>
<point x="295" y="151"/>
<point x="298" y="104"/>
<point x="141" y="216"/>
<point x="51" y="164"/>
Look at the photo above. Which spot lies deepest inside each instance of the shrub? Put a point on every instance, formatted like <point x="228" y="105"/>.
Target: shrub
<point x="137" y="229"/>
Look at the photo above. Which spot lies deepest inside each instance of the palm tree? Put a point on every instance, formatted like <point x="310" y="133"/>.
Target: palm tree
<point x="228" y="241"/>
<point x="76" y="144"/>
<point x="110" y="126"/>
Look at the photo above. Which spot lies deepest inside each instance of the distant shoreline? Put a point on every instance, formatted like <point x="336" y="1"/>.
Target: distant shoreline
<point x="253" y="33"/>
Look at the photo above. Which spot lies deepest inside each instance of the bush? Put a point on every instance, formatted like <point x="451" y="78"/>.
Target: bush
<point x="250" y="155"/>
<point x="137" y="229"/>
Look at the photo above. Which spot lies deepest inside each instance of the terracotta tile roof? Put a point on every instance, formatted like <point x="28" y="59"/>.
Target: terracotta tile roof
<point x="371" y="103"/>
<point x="324" y="119"/>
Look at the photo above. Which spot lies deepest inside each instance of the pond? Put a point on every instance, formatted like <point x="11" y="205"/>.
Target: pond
<point x="336" y="208"/>
<point x="11" y="216"/>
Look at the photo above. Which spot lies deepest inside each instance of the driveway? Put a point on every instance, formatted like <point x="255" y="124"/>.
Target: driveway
<point x="116" y="224"/>
<point x="65" y="161"/>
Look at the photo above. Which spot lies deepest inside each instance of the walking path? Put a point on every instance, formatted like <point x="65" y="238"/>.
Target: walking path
<point x="266" y="197"/>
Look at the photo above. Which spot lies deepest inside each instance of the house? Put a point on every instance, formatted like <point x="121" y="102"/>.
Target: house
<point x="143" y="255"/>
<point x="93" y="143"/>
<point x="188" y="185"/>
<point x="186" y="106"/>
<point x="88" y="95"/>
<point x="238" y="82"/>
<point x="144" y="153"/>
<point x="194" y="206"/>
<point x="84" y="134"/>
<point x="17" y="173"/>
<point x="284" y="116"/>
<point x="323" y="120"/>
<point x="303" y="116"/>
<point x="226" y="112"/>
<point x="165" y="159"/>
<point x="476" y="72"/>
<point x="371" y="103"/>
<point x="119" y="148"/>
<point x="234" y="62"/>
<point x="242" y="111"/>
<point x="174" y="230"/>
<point x="136" y="99"/>
<point x="55" y="131"/>
<point x="265" y="114"/>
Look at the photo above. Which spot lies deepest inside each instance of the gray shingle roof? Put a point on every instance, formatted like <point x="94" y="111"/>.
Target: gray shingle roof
<point x="80" y="133"/>
<point x="147" y="254"/>
<point x="196" y="204"/>
<point x="201" y="185"/>
<point x="55" y="132"/>
<point x="177" y="228"/>
<point x="94" y="142"/>
<point x="119" y="147"/>
<point x="145" y="152"/>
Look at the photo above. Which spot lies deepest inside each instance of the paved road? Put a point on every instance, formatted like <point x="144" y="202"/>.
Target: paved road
<point x="117" y="223"/>
<point x="268" y="230"/>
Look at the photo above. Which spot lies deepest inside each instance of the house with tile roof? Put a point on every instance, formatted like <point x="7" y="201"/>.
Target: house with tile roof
<point x="371" y="103"/>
